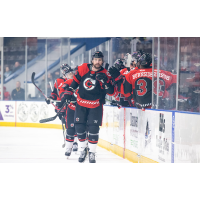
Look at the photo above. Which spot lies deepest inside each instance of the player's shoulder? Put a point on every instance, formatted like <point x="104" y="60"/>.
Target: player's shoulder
<point x="84" y="65"/>
<point x="122" y="71"/>
<point x="133" y="71"/>
<point x="83" y="69"/>
<point x="60" y="80"/>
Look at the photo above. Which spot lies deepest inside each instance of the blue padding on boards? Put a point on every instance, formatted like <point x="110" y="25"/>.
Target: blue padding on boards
<point x="173" y="136"/>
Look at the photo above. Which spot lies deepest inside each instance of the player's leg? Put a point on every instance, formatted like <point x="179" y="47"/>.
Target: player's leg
<point x="94" y="121"/>
<point x="80" y="120"/>
<point x="70" y="131"/>
<point x="75" y="144"/>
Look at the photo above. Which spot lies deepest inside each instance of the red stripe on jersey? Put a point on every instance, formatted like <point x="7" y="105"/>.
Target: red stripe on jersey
<point x="87" y="103"/>
<point x="74" y="77"/>
<point x="72" y="106"/>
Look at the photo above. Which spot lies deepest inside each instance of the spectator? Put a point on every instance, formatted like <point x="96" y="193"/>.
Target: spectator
<point x="16" y="67"/>
<point x="18" y="93"/>
<point x="8" y="72"/>
<point x="6" y="95"/>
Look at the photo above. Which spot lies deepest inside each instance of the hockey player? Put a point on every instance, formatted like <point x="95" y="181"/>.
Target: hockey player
<point x="71" y="136"/>
<point x="94" y="83"/>
<point x="55" y="95"/>
<point x="67" y="73"/>
<point x="121" y="65"/>
<point x="120" y="99"/>
<point x="139" y="82"/>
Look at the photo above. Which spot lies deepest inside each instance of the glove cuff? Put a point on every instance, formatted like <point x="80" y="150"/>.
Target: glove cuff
<point x="53" y="96"/>
<point x="118" y="78"/>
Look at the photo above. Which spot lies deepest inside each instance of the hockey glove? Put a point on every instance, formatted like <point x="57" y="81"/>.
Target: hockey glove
<point x="118" y="64"/>
<point x="66" y="97"/>
<point x="114" y="103"/>
<point x="65" y="86"/>
<point x="114" y="72"/>
<point x="137" y="105"/>
<point x="102" y="78"/>
<point x="61" y="116"/>
<point x="48" y="100"/>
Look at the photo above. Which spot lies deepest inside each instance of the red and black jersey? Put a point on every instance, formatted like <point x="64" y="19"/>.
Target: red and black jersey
<point x="54" y="95"/>
<point x="91" y="91"/>
<point x="139" y="83"/>
<point x="62" y="92"/>
<point x="124" y="71"/>
<point x="124" y="99"/>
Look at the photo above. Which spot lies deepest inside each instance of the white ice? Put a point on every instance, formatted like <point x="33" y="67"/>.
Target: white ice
<point x="39" y="145"/>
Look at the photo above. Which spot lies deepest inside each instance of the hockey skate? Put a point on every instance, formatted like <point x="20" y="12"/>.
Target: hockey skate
<point x="83" y="155"/>
<point x="75" y="147"/>
<point x="68" y="152"/>
<point x="92" y="157"/>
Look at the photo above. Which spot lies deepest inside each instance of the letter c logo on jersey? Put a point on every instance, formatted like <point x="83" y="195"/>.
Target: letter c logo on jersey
<point x="89" y="84"/>
<point x="161" y="89"/>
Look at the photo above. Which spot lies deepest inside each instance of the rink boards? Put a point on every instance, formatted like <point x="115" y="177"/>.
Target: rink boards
<point x="150" y="136"/>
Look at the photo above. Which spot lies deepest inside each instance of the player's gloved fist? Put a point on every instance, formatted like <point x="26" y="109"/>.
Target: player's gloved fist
<point x="114" y="103"/>
<point x="61" y="115"/>
<point x="137" y="105"/>
<point x="65" y="86"/>
<point x="114" y="72"/>
<point x="48" y="100"/>
<point x="118" y="64"/>
<point x="66" y="98"/>
<point x="102" y="77"/>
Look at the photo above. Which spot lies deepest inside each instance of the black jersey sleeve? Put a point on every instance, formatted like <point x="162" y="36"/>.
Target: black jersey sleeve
<point x="109" y="88"/>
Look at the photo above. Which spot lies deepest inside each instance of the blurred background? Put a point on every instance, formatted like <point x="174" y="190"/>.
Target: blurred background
<point x="21" y="56"/>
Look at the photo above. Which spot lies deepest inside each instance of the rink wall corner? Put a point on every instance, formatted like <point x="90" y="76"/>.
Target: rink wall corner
<point x="150" y="136"/>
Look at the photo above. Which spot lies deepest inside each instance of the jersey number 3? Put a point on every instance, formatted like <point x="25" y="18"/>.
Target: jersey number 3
<point x="142" y="87"/>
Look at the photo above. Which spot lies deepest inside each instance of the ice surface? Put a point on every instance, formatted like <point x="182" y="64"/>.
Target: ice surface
<point x="39" y="145"/>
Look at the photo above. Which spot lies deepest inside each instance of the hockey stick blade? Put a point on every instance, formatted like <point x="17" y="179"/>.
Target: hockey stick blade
<point x="53" y="118"/>
<point x="48" y="119"/>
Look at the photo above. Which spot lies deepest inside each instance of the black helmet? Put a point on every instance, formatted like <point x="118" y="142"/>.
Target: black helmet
<point x="136" y="55"/>
<point x="119" y="64"/>
<point x="145" y="60"/>
<point x="65" y="68"/>
<point x="97" y="54"/>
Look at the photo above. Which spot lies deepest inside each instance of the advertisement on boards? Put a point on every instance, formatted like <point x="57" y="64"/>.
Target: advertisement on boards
<point x="156" y="135"/>
<point x="7" y="111"/>
<point x="32" y="112"/>
<point x="134" y="131"/>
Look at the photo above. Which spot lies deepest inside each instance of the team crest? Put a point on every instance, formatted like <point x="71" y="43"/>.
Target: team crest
<point x="89" y="84"/>
<point x="77" y="119"/>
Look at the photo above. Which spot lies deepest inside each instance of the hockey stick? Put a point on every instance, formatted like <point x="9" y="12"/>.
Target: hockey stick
<point x="32" y="79"/>
<point x="63" y="132"/>
<point x="106" y="66"/>
<point x="51" y="86"/>
<point x="53" y="118"/>
<point x="111" y="102"/>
